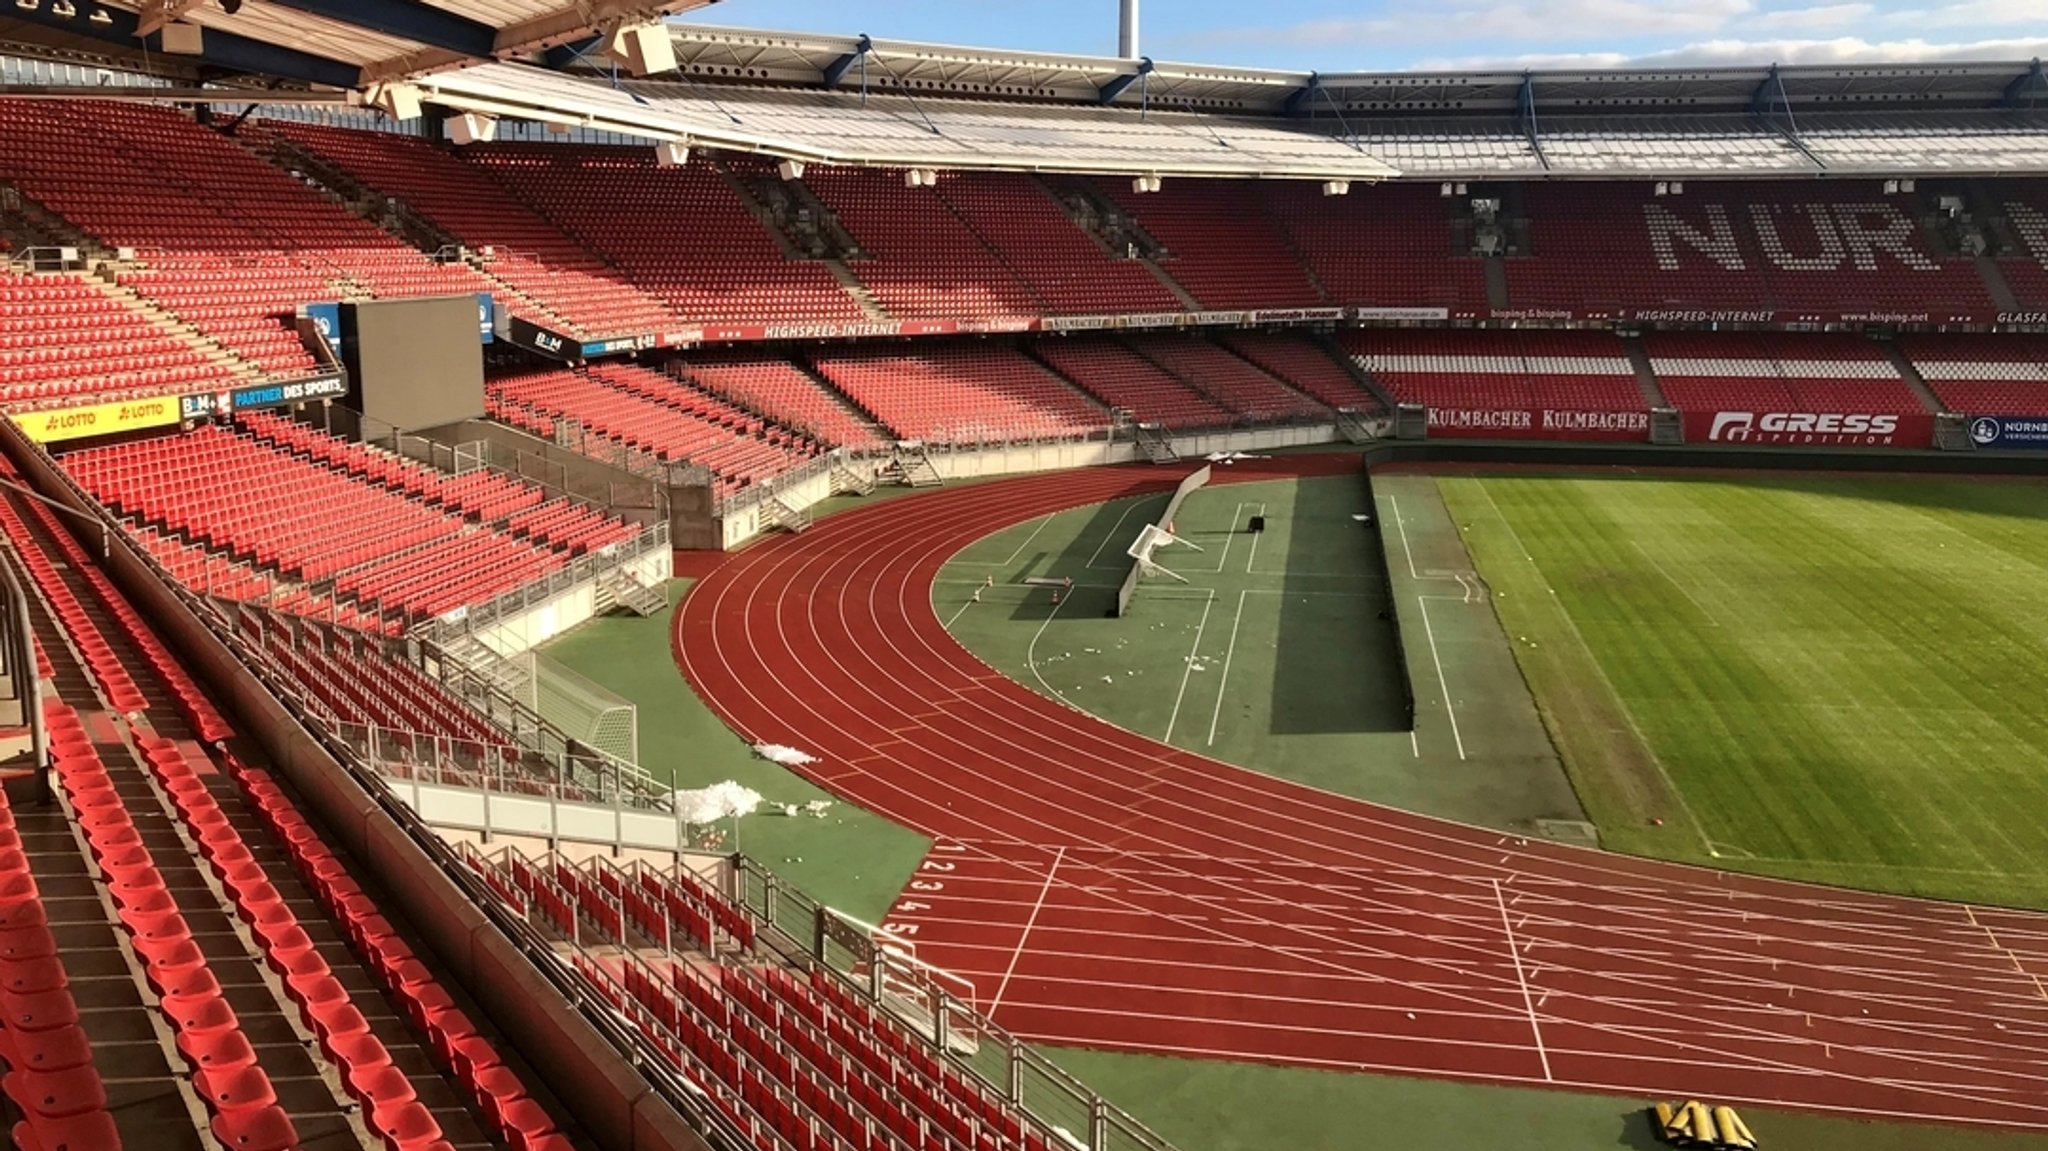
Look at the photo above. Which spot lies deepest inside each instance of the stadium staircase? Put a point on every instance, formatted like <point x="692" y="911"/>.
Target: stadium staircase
<point x="202" y="960"/>
<point x="1154" y="443"/>
<point x="1911" y="374"/>
<point x="777" y="389"/>
<point x="849" y="480"/>
<point x="1646" y="376"/>
<point x="776" y="513"/>
<point x="910" y="465"/>
<point x="1343" y="358"/>
<point x="621" y="589"/>
<point x="105" y="277"/>
<point x="389" y="212"/>
<point x="1355" y="426"/>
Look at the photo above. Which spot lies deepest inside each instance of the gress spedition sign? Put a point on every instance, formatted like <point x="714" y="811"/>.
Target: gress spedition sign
<point x="97" y="419"/>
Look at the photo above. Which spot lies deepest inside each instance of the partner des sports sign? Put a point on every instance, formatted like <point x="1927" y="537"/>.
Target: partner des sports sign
<point x="1818" y="429"/>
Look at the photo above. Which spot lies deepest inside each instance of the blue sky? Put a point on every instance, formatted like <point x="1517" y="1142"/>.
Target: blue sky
<point x="1345" y="35"/>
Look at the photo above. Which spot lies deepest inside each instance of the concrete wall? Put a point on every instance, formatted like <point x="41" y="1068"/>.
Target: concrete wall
<point x="975" y="463"/>
<point x="553" y="617"/>
<point x="497" y="815"/>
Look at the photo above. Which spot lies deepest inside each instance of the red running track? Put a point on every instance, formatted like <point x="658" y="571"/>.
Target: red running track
<point x="1106" y="890"/>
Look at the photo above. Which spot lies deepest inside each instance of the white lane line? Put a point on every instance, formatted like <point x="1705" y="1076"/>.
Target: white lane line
<point x="1188" y="668"/>
<point x="1250" y="559"/>
<point x="1030" y="923"/>
<point x="1522" y="977"/>
<point x="1114" y="529"/>
<point x="1450" y="709"/>
<point x="1229" y="537"/>
<point x="1227" y="653"/>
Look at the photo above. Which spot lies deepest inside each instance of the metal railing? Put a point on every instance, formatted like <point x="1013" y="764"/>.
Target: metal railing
<point x="1004" y="1063"/>
<point x="653" y="1064"/>
<point x="587" y="568"/>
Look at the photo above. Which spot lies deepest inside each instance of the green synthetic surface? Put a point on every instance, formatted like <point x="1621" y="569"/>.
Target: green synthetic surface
<point x="1210" y="1106"/>
<point x="1275" y="654"/>
<point x="848" y="859"/>
<point x="1836" y="679"/>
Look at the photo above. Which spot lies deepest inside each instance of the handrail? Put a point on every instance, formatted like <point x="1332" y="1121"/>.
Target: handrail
<point x="646" y="1058"/>
<point x="20" y="663"/>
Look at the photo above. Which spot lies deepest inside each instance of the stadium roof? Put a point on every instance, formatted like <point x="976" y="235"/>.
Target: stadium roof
<point x="332" y="43"/>
<point x="890" y="130"/>
<point x="850" y="63"/>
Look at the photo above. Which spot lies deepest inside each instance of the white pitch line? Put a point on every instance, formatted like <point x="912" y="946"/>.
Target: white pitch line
<point x="1450" y="708"/>
<point x="1114" y="529"/>
<point x="1044" y="520"/>
<point x="1250" y="559"/>
<point x="1401" y="525"/>
<point x="1058" y="855"/>
<point x="1522" y="977"/>
<point x="956" y="615"/>
<point x="1228" y="538"/>
<point x="1227" y="653"/>
<point x="1031" y="652"/>
<point x="1188" y="668"/>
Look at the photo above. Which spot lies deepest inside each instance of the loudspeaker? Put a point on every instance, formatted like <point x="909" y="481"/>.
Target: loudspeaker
<point x="182" y="39"/>
<point x="470" y="128"/>
<point x="1258" y="524"/>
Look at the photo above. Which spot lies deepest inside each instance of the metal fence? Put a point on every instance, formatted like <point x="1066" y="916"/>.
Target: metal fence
<point x="1007" y="1065"/>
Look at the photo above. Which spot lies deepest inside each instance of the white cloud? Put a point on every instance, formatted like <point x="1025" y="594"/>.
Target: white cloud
<point x="1417" y="21"/>
<point x="1731" y="53"/>
<point x="1972" y="14"/>
<point x="1809" y="19"/>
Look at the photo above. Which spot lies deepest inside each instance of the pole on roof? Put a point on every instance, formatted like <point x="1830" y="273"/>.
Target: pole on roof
<point x="1127" y="30"/>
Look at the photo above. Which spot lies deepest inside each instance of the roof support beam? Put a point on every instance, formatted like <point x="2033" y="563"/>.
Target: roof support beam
<point x="563" y="55"/>
<point x="837" y="69"/>
<point x="220" y="49"/>
<point x="158" y="13"/>
<point x="1117" y="86"/>
<point x="1525" y="118"/>
<point x="2031" y="87"/>
<point x="1764" y="103"/>
<point x="406" y="20"/>
<point x="1302" y="99"/>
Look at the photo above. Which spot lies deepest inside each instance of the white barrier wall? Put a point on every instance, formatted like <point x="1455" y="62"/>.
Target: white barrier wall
<point x="489" y="816"/>
<point x="550" y="618"/>
<point x="1017" y="459"/>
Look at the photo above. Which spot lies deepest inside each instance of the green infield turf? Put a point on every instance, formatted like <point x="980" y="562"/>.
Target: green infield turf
<point x="1278" y="651"/>
<point x="848" y="858"/>
<point x="1836" y="679"/>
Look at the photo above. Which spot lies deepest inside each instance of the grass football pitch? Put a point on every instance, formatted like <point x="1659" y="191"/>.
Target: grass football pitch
<point x="1835" y="679"/>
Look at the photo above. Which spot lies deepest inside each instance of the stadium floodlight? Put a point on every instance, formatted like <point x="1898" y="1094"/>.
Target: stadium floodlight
<point x="1336" y="187"/>
<point x="790" y="169"/>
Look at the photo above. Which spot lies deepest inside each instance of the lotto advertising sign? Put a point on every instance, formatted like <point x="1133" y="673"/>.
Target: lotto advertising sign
<point x="98" y="419"/>
<point x="2010" y="433"/>
<point x="1810" y="429"/>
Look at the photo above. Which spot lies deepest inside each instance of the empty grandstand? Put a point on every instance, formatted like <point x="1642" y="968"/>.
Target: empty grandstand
<point x="327" y="863"/>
